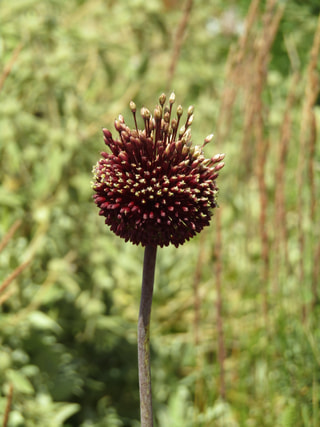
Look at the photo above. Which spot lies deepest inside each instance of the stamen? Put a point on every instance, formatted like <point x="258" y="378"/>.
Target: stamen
<point x="174" y="125"/>
<point x="145" y="113"/>
<point x="208" y="139"/>
<point x="162" y="99"/>
<point x="133" y="109"/>
<point x="179" y="114"/>
<point x="157" y="118"/>
<point x="189" y="117"/>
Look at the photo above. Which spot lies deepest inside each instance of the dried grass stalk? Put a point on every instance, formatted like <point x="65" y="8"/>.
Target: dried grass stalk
<point x="7" y="69"/>
<point x="178" y="40"/>
<point x="13" y="276"/>
<point x="7" y="237"/>
<point x="280" y="215"/>
<point x="8" y="407"/>
<point x="307" y="143"/>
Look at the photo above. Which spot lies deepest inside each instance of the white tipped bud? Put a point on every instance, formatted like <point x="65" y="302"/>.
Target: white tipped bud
<point x="197" y="150"/>
<point x="217" y="158"/>
<point x="187" y="135"/>
<point x="166" y="117"/>
<point x="174" y="124"/>
<point x="172" y="98"/>
<point x="208" y="139"/>
<point x="185" y="150"/>
<point x="219" y="166"/>
<point x="145" y="113"/>
<point x="152" y="124"/>
<point x="190" y="110"/>
<point x="133" y="107"/>
<point x="157" y="113"/>
<point x="190" y="120"/>
<point x="182" y="130"/>
<point x="162" y="99"/>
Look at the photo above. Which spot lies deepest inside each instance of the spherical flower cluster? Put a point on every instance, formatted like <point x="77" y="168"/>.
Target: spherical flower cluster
<point x="154" y="187"/>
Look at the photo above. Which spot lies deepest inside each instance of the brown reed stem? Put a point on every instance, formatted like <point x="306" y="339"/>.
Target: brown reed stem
<point x="271" y="20"/>
<point x="7" y="69"/>
<point x="178" y="40"/>
<point x="251" y="60"/>
<point x="307" y="145"/>
<point x="144" y="336"/>
<point x="7" y="237"/>
<point x="8" y="407"/>
<point x="315" y="276"/>
<point x="13" y="275"/>
<point x="313" y="214"/>
<point x="310" y="167"/>
<point x="280" y="216"/>
<point x="258" y="72"/>
<point x="313" y="77"/>
<point x="235" y="72"/>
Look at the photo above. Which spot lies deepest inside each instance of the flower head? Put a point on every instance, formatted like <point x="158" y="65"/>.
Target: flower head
<point x="154" y="187"/>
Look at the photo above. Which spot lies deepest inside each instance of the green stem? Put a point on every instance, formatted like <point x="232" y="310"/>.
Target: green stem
<point x="144" y="336"/>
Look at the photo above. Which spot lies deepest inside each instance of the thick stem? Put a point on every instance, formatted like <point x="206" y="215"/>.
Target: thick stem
<point x="8" y="407"/>
<point x="144" y="336"/>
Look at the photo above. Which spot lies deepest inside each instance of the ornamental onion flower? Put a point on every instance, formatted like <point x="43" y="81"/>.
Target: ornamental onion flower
<point x="153" y="186"/>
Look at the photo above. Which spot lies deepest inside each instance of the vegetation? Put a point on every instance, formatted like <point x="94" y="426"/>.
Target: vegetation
<point x="235" y="336"/>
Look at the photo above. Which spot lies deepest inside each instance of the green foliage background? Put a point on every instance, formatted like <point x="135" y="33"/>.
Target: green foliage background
<point x="68" y="328"/>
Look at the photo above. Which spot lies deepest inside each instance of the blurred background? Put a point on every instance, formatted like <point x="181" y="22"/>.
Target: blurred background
<point x="235" y="333"/>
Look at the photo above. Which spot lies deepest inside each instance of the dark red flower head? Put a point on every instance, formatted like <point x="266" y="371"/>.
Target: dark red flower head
<point x="154" y="187"/>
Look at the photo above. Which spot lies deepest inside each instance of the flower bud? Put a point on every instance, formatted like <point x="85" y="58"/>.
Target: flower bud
<point x="190" y="110"/>
<point x="208" y="139"/>
<point x="179" y="111"/>
<point x="133" y="107"/>
<point x="162" y="99"/>
<point x="172" y="98"/>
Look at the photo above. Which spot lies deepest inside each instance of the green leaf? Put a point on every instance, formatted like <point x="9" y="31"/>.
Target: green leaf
<point x="40" y="320"/>
<point x="19" y="381"/>
<point x="63" y="412"/>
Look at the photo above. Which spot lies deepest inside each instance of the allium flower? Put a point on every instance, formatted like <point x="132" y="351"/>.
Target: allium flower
<point x="154" y="187"/>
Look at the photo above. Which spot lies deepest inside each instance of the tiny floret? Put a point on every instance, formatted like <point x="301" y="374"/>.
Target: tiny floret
<point x="153" y="186"/>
